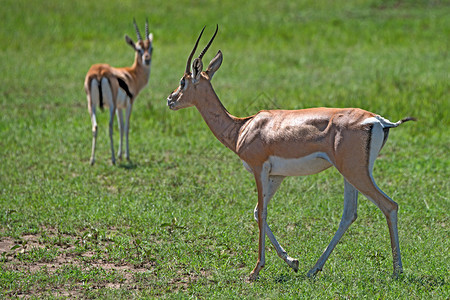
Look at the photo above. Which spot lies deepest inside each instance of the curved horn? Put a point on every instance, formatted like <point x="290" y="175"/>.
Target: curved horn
<point x="137" y="30"/>
<point x="146" y="28"/>
<point x="188" y="65"/>
<point x="210" y="42"/>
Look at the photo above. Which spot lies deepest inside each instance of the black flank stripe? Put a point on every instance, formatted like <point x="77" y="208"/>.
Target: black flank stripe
<point x="369" y="141"/>
<point x="124" y="86"/>
<point x="386" y="134"/>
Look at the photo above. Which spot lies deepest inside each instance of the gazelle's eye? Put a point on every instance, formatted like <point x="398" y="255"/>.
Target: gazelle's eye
<point x="182" y="82"/>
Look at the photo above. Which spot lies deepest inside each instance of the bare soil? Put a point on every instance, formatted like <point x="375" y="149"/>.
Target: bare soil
<point x="12" y="251"/>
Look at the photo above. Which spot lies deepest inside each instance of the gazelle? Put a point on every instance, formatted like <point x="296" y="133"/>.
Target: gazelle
<point x="117" y="88"/>
<point x="273" y="144"/>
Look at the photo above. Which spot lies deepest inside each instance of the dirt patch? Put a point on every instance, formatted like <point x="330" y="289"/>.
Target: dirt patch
<point x="6" y="244"/>
<point x="47" y="257"/>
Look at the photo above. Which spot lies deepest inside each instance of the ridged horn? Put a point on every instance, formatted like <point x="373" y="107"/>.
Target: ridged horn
<point x="146" y="28"/>
<point x="137" y="30"/>
<point x="188" y="64"/>
<point x="210" y="42"/>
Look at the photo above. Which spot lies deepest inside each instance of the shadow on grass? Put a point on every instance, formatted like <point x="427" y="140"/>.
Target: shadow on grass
<point x="128" y="165"/>
<point x="427" y="281"/>
<point x="284" y="278"/>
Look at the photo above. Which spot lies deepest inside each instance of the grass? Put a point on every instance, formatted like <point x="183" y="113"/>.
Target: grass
<point x="177" y="222"/>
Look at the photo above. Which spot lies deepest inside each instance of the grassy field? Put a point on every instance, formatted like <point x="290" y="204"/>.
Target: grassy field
<point x="177" y="221"/>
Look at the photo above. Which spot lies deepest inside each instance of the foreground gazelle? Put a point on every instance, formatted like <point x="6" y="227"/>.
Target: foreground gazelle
<point x="117" y="88"/>
<point x="274" y="144"/>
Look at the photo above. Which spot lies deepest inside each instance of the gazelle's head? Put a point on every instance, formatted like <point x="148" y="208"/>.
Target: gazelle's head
<point x="143" y="48"/>
<point x="193" y="84"/>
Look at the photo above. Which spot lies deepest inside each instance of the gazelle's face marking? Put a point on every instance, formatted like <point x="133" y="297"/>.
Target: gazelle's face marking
<point x="181" y="97"/>
<point x="192" y="81"/>
<point x="144" y="50"/>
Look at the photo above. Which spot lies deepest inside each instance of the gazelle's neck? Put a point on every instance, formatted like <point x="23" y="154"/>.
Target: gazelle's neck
<point x="223" y="125"/>
<point x="140" y="75"/>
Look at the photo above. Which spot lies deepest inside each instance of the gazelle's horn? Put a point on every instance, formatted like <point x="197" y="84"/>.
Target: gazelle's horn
<point x="137" y="30"/>
<point x="188" y="65"/>
<point x="209" y="44"/>
<point x="146" y="28"/>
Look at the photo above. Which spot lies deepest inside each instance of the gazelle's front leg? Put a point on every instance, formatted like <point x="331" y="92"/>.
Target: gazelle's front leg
<point x="273" y="184"/>
<point x="261" y="177"/>
<point x="111" y="123"/>
<point x="121" y="129"/>
<point x="267" y="186"/>
<point x="127" y="128"/>
<point x="348" y="217"/>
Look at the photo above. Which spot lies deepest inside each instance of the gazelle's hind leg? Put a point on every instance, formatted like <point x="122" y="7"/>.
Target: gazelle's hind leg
<point x="348" y="217"/>
<point x="93" y="100"/>
<point x="368" y="188"/>
<point x="108" y="96"/>
<point x="361" y="178"/>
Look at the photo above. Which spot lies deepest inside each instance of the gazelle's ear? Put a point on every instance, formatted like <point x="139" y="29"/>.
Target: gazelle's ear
<point x="197" y="67"/>
<point x="130" y="42"/>
<point x="214" y="65"/>
<point x="150" y="37"/>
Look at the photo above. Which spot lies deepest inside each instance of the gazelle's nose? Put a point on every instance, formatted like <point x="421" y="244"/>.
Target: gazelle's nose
<point x="170" y="101"/>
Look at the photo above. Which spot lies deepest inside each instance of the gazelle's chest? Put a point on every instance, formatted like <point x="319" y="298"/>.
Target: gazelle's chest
<point x="307" y="165"/>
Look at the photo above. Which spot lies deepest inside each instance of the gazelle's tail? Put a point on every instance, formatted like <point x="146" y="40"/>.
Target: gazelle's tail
<point x="388" y="124"/>
<point x="404" y="120"/>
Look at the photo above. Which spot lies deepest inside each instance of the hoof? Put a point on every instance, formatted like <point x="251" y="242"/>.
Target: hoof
<point x="92" y="161"/>
<point x="253" y="277"/>
<point x="397" y="273"/>
<point x="294" y="265"/>
<point x="313" y="272"/>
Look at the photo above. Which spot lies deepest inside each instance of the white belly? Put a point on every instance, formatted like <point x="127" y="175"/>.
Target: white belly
<point x="122" y="99"/>
<point x="310" y="164"/>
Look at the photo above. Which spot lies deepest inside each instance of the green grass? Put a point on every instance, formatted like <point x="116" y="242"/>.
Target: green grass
<point x="177" y="222"/>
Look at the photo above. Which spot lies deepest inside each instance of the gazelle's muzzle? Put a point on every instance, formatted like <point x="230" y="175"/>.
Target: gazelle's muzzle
<point x="171" y="102"/>
<point x="147" y="59"/>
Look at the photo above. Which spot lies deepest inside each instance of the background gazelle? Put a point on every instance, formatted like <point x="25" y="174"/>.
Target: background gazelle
<point x="117" y="88"/>
<point x="274" y="144"/>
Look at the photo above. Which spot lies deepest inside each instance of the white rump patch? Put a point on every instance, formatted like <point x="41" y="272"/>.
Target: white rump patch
<point x="379" y="119"/>
<point x="376" y="142"/>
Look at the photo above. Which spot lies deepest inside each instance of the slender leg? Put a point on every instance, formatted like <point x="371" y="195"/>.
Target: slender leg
<point x="364" y="182"/>
<point x="390" y="211"/>
<point x="348" y="217"/>
<point x="127" y="128"/>
<point x="273" y="184"/>
<point x="94" y="137"/>
<point x="121" y="129"/>
<point x="92" y="98"/>
<point x="261" y="178"/>
<point x="111" y="121"/>
<point x="107" y="94"/>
